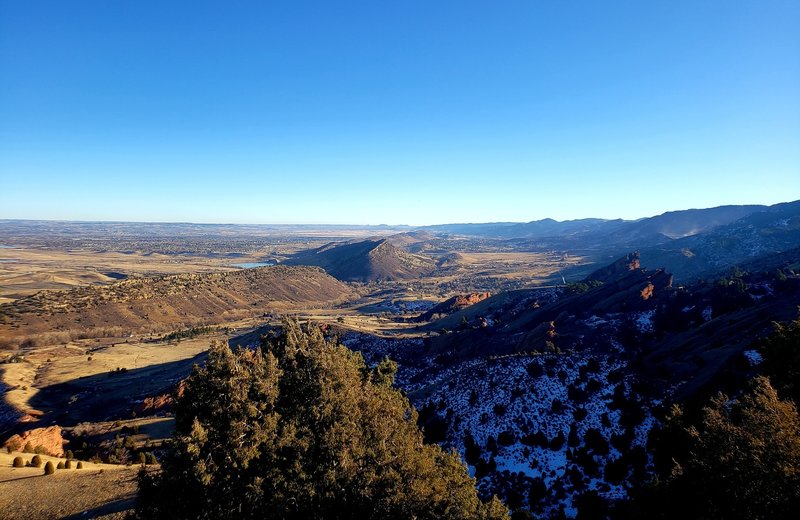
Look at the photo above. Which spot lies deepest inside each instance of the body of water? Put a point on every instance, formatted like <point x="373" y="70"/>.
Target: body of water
<point x="250" y="265"/>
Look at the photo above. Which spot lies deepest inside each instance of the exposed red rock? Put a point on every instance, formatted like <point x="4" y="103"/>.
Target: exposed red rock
<point x="47" y="439"/>
<point x="456" y="303"/>
<point x="614" y="271"/>
<point x="159" y="403"/>
<point x="155" y="404"/>
<point x="465" y="300"/>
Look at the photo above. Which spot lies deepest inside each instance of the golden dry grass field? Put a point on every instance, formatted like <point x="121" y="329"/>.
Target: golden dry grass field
<point x="96" y="491"/>
<point x="26" y="271"/>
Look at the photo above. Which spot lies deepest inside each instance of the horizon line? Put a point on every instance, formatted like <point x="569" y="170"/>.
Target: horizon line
<point x="332" y="225"/>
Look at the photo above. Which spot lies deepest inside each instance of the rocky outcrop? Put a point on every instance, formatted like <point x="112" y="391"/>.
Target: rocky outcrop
<point x="621" y="267"/>
<point x="465" y="300"/>
<point x="160" y="403"/>
<point x="47" y="440"/>
<point x="154" y="405"/>
<point x="456" y="303"/>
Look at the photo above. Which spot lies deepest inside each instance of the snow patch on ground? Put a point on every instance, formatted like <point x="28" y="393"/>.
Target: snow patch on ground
<point x="644" y="321"/>
<point x="594" y="322"/>
<point x="754" y="357"/>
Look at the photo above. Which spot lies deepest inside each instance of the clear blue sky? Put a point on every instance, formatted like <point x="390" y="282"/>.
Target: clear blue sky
<point x="395" y="112"/>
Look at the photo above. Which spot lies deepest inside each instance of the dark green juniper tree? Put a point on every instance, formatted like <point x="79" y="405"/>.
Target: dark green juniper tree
<point x="303" y="429"/>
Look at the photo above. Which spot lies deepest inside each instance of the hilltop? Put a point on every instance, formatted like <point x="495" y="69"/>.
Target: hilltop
<point x="366" y="260"/>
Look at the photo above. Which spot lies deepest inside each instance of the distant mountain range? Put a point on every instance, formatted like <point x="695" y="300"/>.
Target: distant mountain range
<point x="690" y="243"/>
<point x="673" y="224"/>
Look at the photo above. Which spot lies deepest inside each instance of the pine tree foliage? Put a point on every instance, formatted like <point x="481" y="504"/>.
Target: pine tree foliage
<point x="303" y="429"/>
<point x="742" y="460"/>
<point x="782" y="358"/>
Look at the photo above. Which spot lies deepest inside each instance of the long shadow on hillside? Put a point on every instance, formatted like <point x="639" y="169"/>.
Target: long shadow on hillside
<point x="109" y="395"/>
<point x="113" y="395"/>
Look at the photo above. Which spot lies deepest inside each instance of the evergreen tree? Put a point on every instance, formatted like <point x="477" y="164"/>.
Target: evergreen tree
<point x="303" y="429"/>
<point x="782" y="359"/>
<point x="742" y="460"/>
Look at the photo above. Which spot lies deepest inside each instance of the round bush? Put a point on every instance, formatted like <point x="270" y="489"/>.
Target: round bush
<point x="80" y="465"/>
<point x="36" y="461"/>
<point x="68" y="464"/>
<point x="49" y="469"/>
<point x="60" y="465"/>
<point x="19" y="462"/>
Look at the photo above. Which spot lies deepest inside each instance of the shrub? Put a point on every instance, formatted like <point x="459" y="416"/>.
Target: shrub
<point x="70" y="455"/>
<point x="506" y="438"/>
<point x="80" y="465"/>
<point x="49" y="469"/>
<point x="68" y="464"/>
<point x="36" y="461"/>
<point x="28" y="447"/>
<point x="19" y="462"/>
<point x="60" y="465"/>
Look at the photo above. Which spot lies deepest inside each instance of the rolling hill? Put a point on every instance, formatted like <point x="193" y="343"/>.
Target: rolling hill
<point x="366" y="260"/>
<point x="157" y="304"/>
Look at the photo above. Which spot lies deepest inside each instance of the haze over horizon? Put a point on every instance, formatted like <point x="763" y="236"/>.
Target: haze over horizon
<point x="355" y="224"/>
<point x="362" y="113"/>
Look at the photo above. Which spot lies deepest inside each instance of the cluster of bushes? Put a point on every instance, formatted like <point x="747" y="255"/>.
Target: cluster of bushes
<point x="49" y="468"/>
<point x="189" y="333"/>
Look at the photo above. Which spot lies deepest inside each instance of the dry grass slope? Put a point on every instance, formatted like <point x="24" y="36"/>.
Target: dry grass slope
<point x="100" y="490"/>
<point x="165" y="303"/>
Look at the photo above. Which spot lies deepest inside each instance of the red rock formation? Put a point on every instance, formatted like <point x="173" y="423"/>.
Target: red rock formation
<point x="155" y="404"/>
<point x="647" y="292"/>
<point x="48" y="439"/>
<point x="159" y="403"/>
<point x="618" y="269"/>
<point x="456" y="303"/>
<point x="551" y="332"/>
<point x="465" y="300"/>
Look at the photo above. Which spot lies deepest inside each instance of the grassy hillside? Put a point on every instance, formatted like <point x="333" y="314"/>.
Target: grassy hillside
<point x="165" y="303"/>
<point x="366" y="260"/>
